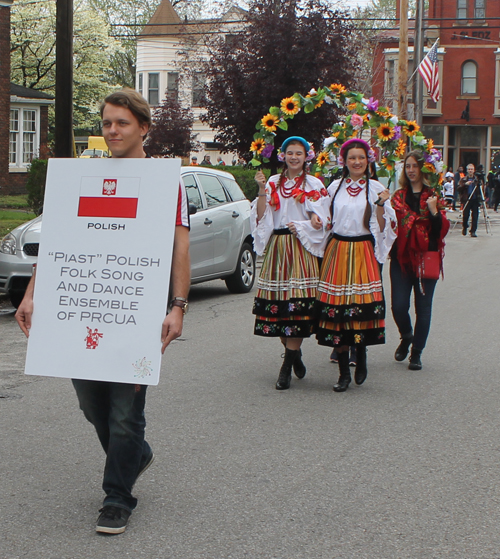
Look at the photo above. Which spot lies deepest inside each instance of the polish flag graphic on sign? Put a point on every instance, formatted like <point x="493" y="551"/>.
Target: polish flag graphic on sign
<point x="103" y="197"/>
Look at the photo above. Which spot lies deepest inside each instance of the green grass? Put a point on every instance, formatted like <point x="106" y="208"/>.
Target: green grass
<point x="10" y="219"/>
<point x="14" y="202"/>
<point x="13" y="212"/>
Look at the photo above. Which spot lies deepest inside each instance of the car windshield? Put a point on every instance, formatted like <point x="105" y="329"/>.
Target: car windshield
<point x="93" y="152"/>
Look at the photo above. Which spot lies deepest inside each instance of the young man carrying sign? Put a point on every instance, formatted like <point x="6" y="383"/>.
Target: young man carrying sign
<point x="117" y="409"/>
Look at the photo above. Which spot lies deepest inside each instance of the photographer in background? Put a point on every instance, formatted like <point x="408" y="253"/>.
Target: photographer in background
<point x="471" y="193"/>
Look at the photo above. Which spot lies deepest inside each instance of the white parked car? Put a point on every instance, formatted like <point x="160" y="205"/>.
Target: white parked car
<point x="220" y="239"/>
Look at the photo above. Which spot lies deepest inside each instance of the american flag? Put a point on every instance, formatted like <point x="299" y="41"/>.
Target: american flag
<point x="429" y="70"/>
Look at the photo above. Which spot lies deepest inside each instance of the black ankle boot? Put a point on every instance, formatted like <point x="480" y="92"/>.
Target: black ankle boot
<point x="285" y="375"/>
<point x="361" y="371"/>
<point x="415" y="362"/>
<point x="298" y="365"/>
<point x="403" y="349"/>
<point x="345" y="373"/>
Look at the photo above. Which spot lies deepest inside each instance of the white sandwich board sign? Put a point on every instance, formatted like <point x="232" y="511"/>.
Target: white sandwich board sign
<point x="103" y="271"/>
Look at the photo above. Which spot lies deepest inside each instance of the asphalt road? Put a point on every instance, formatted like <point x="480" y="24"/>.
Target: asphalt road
<point x="404" y="467"/>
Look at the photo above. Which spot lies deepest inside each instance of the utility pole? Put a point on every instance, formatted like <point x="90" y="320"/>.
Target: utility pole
<point x="64" y="79"/>
<point x="418" y="55"/>
<point x="403" y="60"/>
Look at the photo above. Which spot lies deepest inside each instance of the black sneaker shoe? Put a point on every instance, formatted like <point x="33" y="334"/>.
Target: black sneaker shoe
<point x="112" y="520"/>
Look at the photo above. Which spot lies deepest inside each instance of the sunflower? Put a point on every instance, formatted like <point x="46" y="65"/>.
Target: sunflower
<point x="337" y="88"/>
<point x="430" y="144"/>
<point x="400" y="150"/>
<point x="290" y="106"/>
<point x="351" y="106"/>
<point x="385" y="132"/>
<point x="323" y="158"/>
<point x="411" y="128"/>
<point x="387" y="164"/>
<point x="258" y="145"/>
<point x="269" y="122"/>
<point x="429" y="167"/>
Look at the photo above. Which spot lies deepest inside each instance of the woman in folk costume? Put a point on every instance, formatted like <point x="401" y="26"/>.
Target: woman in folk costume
<point x="422" y="226"/>
<point x="350" y="295"/>
<point x="288" y="220"/>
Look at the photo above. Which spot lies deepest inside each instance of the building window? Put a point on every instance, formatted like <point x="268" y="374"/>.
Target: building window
<point x="479" y="9"/>
<point x="469" y="78"/>
<point x="173" y="85"/>
<point x="198" y="89"/>
<point x="29" y="133"/>
<point x="461" y="9"/>
<point x="13" y="136"/>
<point x="139" y="83"/>
<point x="23" y="136"/>
<point x="154" y="89"/>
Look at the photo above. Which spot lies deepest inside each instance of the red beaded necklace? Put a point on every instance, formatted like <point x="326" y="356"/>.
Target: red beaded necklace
<point x="354" y="190"/>
<point x="286" y="192"/>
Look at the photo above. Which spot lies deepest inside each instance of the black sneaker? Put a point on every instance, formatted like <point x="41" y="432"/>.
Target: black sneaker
<point x="112" y="520"/>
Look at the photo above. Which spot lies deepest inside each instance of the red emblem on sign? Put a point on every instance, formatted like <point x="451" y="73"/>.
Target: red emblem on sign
<point x="109" y="187"/>
<point x="92" y="338"/>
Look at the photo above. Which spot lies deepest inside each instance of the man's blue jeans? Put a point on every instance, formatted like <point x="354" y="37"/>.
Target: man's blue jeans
<point x="401" y="288"/>
<point x="117" y="412"/>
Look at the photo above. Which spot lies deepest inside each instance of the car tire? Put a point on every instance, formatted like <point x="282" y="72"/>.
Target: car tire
<point x="16" y="297"/>
<point x="243" y="278"/>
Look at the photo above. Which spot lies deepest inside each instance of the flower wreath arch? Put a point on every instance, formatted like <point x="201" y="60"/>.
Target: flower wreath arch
<point x="385" y="129"/>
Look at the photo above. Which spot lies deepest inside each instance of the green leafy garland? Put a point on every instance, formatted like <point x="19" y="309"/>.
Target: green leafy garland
<point x="384" y="130"/>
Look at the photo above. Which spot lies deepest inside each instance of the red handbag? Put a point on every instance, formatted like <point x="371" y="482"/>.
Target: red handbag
<point x="430" y="266"/>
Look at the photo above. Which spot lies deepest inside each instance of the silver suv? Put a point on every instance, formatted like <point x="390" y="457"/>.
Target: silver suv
<point x="221" y="243"/>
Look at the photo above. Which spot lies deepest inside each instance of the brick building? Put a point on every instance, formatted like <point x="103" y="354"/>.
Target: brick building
<point x="23" y="118"/>
<point x="464" y="124"/>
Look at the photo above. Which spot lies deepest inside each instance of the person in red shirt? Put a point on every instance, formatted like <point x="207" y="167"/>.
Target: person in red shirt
<point x="116" y="409"/>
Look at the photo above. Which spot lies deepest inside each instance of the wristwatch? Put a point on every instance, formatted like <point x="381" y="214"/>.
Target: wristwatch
<point x="180" y="302"/>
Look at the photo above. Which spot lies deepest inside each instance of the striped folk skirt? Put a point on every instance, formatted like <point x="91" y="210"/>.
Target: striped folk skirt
<point x="286" y="289"/>
<point x="351" y="306"/>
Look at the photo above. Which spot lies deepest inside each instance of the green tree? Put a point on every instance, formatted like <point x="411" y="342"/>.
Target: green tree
<point x="171" y="134"/>
<point x="285" y="47"/>
<point x="33" y="55"/>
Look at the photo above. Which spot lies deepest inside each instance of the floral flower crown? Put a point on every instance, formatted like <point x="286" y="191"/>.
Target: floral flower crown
<point x="357" y="115"/>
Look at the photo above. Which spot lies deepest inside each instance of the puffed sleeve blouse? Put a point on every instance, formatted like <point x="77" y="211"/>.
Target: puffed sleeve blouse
<point x="348" y="213"/>
<point x="281" y="211"/>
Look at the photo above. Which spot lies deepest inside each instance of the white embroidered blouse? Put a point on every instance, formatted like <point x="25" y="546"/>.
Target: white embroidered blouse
<point x="349" y="210"/>
<point x="292" y="211"/>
